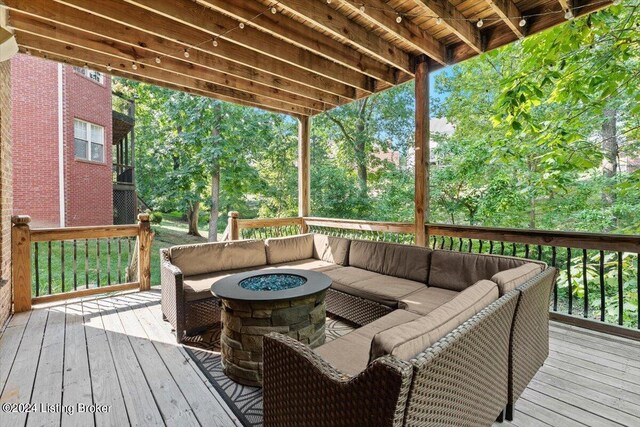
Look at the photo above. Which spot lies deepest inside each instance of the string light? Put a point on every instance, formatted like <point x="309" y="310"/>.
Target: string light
<point x="186" y="53"/>
<point x="438" y="20"/>
<point x="241" y="25"/>
<point x="328" y="1"/>
<point x="28" y="52"/>
<point x="274" y="10"/>
<point x="215" y="43"/>
<point x="362" y="9"/>
<point x="108" y="67"/>
<point x="134" y="66"/>
<point x="85" y="66"/>
<point x="568" y="16"/>
<point x="522" y="22"/>
<point x="399" y="19"/>
<point x="480" y="23"/>
<point x="158" y="60"/>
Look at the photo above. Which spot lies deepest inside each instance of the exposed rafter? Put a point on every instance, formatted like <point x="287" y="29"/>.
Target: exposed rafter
<point x="298" y="34"/>
<point x="380" y="14"/>
<point x="332" y="21"/>
<point x="510" y="14"/>
<point x="454" y="20"/>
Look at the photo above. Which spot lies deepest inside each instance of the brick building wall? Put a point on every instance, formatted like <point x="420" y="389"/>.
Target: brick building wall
<point x="6" y="207"/>
<point x="88" y="185"/>
<point x="35" y="132"/>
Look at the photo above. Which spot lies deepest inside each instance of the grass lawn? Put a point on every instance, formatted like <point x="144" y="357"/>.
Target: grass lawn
<point x="100" y="262"/>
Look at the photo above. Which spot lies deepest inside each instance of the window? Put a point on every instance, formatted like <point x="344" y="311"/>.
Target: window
<point x="96" y="76"/>
<point x="88" y="141"/>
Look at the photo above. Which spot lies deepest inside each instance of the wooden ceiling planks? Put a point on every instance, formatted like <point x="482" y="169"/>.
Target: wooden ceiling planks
<point x="311" y="56"/>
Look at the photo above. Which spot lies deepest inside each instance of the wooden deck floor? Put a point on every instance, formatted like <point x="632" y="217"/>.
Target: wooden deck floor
<point x="117" y="351"/>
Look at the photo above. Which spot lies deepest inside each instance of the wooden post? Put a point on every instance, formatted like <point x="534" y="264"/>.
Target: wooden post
<point x="234" y="232"/>
<point x="304" y="168"/>
<point x="145" y="238"/>
<point x="422" y="150"/>
<point x="21" y="263"/>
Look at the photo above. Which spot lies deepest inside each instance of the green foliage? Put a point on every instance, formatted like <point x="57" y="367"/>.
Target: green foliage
<point x="155" y="217"/>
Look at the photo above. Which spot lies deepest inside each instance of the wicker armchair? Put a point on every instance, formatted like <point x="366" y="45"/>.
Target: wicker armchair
<point x="186" y="317"/>
<point x="461" y="380"/>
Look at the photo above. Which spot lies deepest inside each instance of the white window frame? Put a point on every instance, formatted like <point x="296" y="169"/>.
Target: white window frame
<point x="89" y="141"/>
<point x="94" y="76"/>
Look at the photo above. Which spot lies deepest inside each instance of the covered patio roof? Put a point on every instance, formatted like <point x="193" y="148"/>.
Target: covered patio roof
<point x="299" y="57"/>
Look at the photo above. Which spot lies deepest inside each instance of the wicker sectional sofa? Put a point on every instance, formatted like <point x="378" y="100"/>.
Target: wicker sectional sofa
<point x="445" y="338"/>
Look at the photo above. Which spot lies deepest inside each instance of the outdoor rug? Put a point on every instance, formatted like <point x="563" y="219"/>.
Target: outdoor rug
<point x="244" y="401"/>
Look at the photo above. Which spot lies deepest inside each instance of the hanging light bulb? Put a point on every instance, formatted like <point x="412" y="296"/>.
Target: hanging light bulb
<point x="186" y="53"/>
<point x="86" y="66"/>
<point x="215" y="43"/>
<point x="134" y="66"/>
<point x="328" y="1"/>
<point x="616" y="2"/>
<point x="158" y="60"/>
<point x="438" y="20"/>
<point x="399" y="19"/>
<point x="480" y="23"/>
<point x="241" y="25"/>
<point x="108" y="67"/>
<point x="28" y="52"/>
<point x="522" y="22"/>
<point x="569" y="15"/>
<point x="362" y="8"/>
<point x="274" y="10"/>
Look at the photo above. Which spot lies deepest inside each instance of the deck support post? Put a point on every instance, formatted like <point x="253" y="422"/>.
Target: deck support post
<point x="21" y="263"/>
<point x="421" y="150"/>
<point x="145" y="238"/>
<point x="304" y="168"/>
<point x="234" y="231"/>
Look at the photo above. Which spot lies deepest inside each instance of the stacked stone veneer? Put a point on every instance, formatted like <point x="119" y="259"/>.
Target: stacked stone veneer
<point x="244" y="323"/>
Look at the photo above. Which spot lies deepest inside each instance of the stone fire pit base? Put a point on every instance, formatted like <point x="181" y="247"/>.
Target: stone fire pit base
<point x="244" y="323"/>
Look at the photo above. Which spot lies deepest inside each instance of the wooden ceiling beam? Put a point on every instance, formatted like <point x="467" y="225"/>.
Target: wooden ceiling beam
<point x="190" y="14"/>
<point x="454" y="20"/>
<point x="167" y="29"/>
<point x="35" y="26"/>
<point x="297" y="33"/>
<point x="379" y="13"/>
<point x="143" y="79"/>
<point x="97" y="26"/>
<point x="510" y="14"/>
<point x="337" y="24"/>
<point x="93" y="59"/>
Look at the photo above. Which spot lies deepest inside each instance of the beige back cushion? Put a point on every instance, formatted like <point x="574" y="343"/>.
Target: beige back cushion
<point x="457" y="271"/>
<point x="407" y="340"/>
<point x="292" y="248"/>
<point x="212" y="257"/>
<point x="404" y="261"/>
<point x="508" y="280"/>
<point x="331" y="249"/>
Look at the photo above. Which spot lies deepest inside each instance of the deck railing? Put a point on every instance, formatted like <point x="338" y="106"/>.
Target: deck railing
<point x="51" y="264"/>
<point x="599" y="282"/>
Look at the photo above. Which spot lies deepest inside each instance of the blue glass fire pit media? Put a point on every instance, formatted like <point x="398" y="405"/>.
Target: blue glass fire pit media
<point x="272" y="282"/>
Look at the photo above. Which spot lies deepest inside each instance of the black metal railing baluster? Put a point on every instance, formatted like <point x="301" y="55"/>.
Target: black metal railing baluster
<point x="555" y="285"/>
<point x="491" y="246"/>
<point x="62" y="265"/>
<point x="539" y="253"/>
<point x="620" y="291"/>
<point x="585" y="285"/>
<point x="86" y="263"/>
<point x="49" y="265"/>
<point x="470" y="245"/>
<point x="120" y="260"/>
<point x="460" y="247"/>
<point x="638" y="284"/>
<point x="450" y="243"/>
<point x="75" y="265"/>
<point x="602" y="295"/>
<point x="501" y="248"/>
<point x="514" y="251"/>
<point x="108" y="261"/>
<point x="442" y="243"/>
<point x="98" y="263"/>
<point x="480" y="247"/>
<point x="570" y="285"/>
<point x="37" y="266"/>
<point x="526" y="250"/>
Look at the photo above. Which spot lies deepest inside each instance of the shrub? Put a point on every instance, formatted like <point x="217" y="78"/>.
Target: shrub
<point x="155" y="217"/>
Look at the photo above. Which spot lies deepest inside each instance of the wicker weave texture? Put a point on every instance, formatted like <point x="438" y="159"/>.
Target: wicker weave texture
<point x="462" y="379"/>
<point x="355" y="309"/>
<point x="301" y="389"/>
<point x="530" y="340"/>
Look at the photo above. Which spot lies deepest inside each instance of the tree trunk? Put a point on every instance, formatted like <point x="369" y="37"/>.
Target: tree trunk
<point x="361" y="157"/>
<point x="214" y="213"/>
<point x="192" y="219"/>
<point x="610" y="153"/>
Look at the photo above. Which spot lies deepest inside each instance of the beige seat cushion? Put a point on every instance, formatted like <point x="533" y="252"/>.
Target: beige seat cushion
<point x="292" y="248"/>
<point x="199" y="286"/>
<point x="409" y="339"/>
<point x="220" y="256"/>
<point x="350" y="353"/>
<point x="331" y="249"/>
<point x="387" y="290"/>
<point x="456" y="271"/>
<point x="404" y="261"/>
<point x="308" y="264"/>
<point x="510" y="279"/>
<point x="425" y="300"/>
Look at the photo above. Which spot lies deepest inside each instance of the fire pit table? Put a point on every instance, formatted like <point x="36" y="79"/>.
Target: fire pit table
<point x="255" y="303"/>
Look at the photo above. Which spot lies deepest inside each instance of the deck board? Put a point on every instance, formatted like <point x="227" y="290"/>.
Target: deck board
<point x="117" y="351"/>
